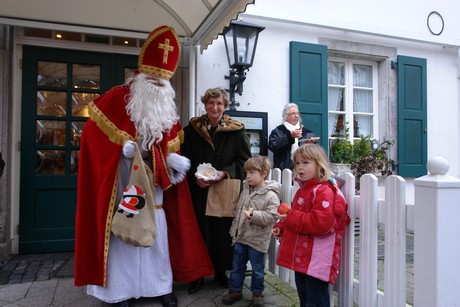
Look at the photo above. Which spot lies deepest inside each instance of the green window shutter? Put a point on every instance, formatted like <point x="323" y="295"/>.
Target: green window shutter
<point x="308" y="86"/>
<point x="412" y="116"/>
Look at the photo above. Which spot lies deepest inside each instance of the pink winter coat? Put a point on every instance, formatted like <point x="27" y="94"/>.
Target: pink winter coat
<point x="311" y="234"/>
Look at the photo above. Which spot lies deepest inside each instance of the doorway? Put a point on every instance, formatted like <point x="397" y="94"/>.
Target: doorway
<point x="57" y="84"/>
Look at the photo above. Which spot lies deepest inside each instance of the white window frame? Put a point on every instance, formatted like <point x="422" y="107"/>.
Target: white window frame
<point x="348" y="96"/>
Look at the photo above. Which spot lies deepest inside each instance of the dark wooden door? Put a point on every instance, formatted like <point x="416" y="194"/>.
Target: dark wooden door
<point x="57" y="87"/>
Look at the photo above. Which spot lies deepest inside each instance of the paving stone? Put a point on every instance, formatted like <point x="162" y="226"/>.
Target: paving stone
<point x="9" y="266"/>
<point x="5" y="274"/>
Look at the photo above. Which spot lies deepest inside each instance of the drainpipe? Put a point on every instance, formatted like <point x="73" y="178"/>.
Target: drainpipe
<point x="192" y="84"/>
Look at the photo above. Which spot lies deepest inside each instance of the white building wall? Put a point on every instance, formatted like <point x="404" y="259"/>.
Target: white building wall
<point x="394" y="24"/>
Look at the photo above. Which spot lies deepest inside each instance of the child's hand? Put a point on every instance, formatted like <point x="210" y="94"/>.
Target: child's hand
<point x="249" y="213"/>
<point x="282" y="216"/>
<point x="276" y="232"/>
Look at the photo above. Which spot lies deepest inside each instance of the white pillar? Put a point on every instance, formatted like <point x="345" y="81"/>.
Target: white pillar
<point x="436" y="224"/>
<point x="192" y="83"/>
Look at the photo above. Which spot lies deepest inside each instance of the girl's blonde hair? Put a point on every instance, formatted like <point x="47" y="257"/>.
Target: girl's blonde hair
<point x="257" y="163"/>
<point x="314" y="152"/>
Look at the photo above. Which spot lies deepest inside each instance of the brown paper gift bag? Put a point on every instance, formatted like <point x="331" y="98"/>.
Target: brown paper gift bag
<point x="223" y="197"/>
<point x="134" y="221"/>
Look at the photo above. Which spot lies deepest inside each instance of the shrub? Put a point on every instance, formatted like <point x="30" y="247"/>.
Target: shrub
<point x="371" y="157"/>
<point x="341" y="149"/>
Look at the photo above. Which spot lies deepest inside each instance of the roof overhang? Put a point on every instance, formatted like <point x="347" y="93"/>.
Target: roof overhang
<point x="197" y="21"/>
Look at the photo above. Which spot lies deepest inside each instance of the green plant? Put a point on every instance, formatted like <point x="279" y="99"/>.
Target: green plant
<point x="371" y="157"/>
<point x="341" y="149"/>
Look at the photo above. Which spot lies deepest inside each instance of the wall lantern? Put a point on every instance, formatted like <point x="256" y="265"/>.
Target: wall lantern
<point x="240" y="43"/>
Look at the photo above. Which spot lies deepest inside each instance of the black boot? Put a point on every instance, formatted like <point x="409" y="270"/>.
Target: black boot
<point x="169" y="300"/>
<point x="195" y="286"/>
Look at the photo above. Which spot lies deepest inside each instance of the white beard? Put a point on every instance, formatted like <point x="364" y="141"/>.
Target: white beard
<point x="151" y="107"/>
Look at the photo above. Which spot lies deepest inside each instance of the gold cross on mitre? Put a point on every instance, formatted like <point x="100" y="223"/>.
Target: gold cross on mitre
<point x="166" y="49"/>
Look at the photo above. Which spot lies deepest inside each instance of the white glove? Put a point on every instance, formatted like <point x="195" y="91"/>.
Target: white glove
<point x="176" y="177"/>
<point x="179" y="163"/>
<point x="129" y="150"/>
<point x="178" y="167"/>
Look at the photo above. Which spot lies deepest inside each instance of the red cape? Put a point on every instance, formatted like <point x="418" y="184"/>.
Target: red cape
<point x="104" y="134"/>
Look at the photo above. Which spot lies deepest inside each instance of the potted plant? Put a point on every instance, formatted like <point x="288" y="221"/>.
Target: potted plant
<point x="371" y="157"/>
<point x="364" y="156"/>
<point x="341" y="154"/>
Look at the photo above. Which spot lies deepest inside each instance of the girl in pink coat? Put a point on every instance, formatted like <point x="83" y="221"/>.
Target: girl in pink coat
<point x="311" y="232"/>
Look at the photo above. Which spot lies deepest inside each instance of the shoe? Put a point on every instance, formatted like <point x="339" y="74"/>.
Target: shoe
<point x="124" y="303"/>
<point x="195" y="286"/>
<point x="232" y="297"/>
<point x="222" y="279"/>
<point x="257" y="300"/>
<point x="169" y="300"/>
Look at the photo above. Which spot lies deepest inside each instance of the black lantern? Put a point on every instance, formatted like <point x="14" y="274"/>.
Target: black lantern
<point x="240" y="43"/>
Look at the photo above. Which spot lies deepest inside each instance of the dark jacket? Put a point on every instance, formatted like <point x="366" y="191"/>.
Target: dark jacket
<point x="280" y="142"/>
<point x="227" y="151"/>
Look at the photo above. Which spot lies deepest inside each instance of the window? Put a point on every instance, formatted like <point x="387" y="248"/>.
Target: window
<point x="352" y="98"/>
<point x="348" y="69"/>
<point x="84" y="37"/>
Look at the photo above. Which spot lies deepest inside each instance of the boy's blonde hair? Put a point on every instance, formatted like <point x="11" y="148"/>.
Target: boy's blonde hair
<point x="314" y="152"/>
<point x="257" y="163"/>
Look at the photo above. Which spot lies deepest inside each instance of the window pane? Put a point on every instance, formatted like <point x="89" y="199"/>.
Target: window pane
<point x="335" y="99"/>
<point x="86" y="76"/>
<point x="80" y="103"/>
<point x="50" y="162"/>
<point x="362" y="101"/>
<point x="38" y="33"/>
<point x="362" y="75"/>
<point x="77" y="128"/>
<point x="362" y="125"/>
<point x="52" y="74"/>
<point x="74" y="157"/>
<point x="336" y="73"/>
<point x="51" y="103"/>
<point x="50" y="132"/>
<point x="336" y="123"/>
<point x="124" y="41"/>
<point x="68" y="36"/>
<point x="100" y="39"/>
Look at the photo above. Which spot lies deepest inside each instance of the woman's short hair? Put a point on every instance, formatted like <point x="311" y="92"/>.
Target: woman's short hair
<point x="216" y="93"/>
<point x="286" y="109"/>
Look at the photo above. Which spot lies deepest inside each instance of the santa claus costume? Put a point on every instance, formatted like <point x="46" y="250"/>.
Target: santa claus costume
<point x="143" y="111"/>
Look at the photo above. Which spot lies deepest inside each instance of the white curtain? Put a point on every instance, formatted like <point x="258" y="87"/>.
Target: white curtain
<point x="335" y="77"/>
<point x="362" y="99"/>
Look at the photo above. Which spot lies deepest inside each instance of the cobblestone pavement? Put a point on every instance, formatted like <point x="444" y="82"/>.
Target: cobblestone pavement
<point x="56" y="270"/>
<point x="35" y="267"/>
<point x="45" y="280"/>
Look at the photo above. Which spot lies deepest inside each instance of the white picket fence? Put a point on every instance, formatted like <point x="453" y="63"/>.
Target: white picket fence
<point x="434" y="194"/>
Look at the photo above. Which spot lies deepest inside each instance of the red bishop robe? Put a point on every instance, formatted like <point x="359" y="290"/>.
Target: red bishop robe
<point x="103" y="137"/>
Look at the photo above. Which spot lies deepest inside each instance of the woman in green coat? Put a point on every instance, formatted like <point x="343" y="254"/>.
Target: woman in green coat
<point x="217" y="139"/>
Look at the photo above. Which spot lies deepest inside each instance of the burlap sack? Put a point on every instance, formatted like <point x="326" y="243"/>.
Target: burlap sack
<point x="134" y="221"/>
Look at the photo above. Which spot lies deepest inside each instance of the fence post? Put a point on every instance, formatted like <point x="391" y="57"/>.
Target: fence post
<point x="286" y="197"/>
<point x="346" y="269"/>
<point x="275" y="174"/>
<point x="395" y="242"/>
<point x="437" y="214"/>
<point x="368" y="223"/>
